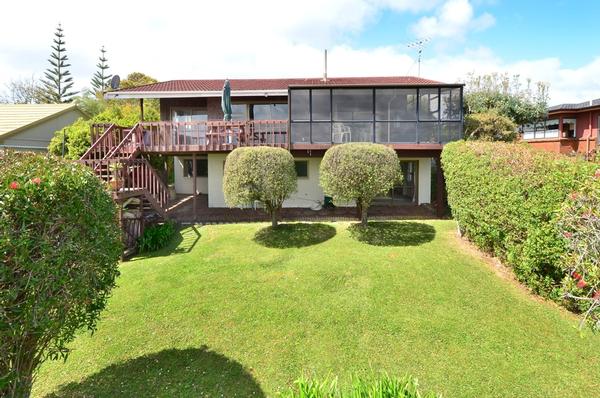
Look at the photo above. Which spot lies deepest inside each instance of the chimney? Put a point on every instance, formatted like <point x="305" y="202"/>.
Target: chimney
<point x="325" y="71"/>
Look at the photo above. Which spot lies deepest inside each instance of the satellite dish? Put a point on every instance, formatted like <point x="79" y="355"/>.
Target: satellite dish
<point x="114" y="82"/>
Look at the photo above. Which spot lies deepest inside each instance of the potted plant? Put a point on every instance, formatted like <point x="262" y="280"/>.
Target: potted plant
<point x="116" y="180"/>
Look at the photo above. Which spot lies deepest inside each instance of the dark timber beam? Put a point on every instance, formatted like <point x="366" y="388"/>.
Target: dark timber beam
<point x="194" y="171"/>
<point x="141" y="109"/>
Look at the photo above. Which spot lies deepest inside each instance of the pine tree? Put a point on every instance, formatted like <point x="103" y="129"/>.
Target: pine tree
<point x="59" y="81"/>
<point x="101" y="78"/>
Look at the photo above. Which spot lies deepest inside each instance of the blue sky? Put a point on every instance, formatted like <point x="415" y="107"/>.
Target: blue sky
<point x="550" y="41"/>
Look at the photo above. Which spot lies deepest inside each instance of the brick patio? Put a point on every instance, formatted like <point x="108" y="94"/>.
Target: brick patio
<point x="182" y="211"/>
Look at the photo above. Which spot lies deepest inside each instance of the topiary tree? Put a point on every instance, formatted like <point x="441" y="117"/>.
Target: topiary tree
<point x="60" y="244"/>
<point x="262" y="174"/>
<point x="359" y="172"/>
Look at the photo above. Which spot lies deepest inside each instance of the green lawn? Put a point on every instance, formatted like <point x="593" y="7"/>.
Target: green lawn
<point x="234" y="310"/>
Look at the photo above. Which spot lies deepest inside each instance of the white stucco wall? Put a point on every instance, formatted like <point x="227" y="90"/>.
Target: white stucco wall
<point x="185" y="185"/>
<point x="424" y="181"/>
<point x="37" y="138"/>
<point x="216" y="161"/>
<point x="309" y="191"/>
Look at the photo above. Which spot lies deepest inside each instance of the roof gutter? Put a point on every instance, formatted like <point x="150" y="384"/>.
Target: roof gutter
<point x="192" y="94"/>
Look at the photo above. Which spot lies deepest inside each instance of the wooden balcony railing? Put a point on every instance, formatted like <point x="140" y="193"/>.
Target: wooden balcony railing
<point x="104" y="143"/>
<point x="211" y="135"/>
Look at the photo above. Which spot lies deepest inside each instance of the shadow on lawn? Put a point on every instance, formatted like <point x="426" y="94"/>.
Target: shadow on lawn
<point x="190" y="372"/>
<point x="183" y="241"/>
<point x="393" y="233"/>
<point x="294" y="235"/>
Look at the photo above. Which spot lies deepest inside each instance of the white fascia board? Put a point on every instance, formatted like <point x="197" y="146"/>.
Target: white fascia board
<point x="192" y="94"/>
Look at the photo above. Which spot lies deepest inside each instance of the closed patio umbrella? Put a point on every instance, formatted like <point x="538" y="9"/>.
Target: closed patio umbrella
<point x="226" y="101"/>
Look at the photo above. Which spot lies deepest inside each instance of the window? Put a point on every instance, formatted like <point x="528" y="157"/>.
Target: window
<point x="321" y="105"/>
<point x="569" y="128"/>
<point x="429" y="108"/>
<point x="238" y="112"/>
<point x="386" y="114"/>
<point x="352" y="104"/>
<point x="450" y="103"/>
<point x="541" y="130"/>
<point x="300" y="105"/>
<point x="201" y="168"/>
<point x="395" y="104"/>
<point x="269" y="111"/>
<point x="301" y="168"/>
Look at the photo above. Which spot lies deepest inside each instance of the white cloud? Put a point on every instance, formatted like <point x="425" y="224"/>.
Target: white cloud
<point x="193" y="39"/>
<point x="452" y="21"/>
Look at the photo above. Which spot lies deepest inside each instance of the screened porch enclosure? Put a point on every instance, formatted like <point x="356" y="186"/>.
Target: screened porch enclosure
<point x="383" y="115"/>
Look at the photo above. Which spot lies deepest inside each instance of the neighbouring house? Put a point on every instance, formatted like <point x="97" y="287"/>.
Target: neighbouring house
<point x="568" y="129"/>
<point x="415" y="116"/>
<point x="30" y="127"/>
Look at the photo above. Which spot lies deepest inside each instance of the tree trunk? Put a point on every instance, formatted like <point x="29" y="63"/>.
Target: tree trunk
<point x="363" y="216"/>
<point x="274" y="218"/>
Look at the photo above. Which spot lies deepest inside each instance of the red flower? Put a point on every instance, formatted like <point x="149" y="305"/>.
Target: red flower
<point x="573" y="196"/>
<point x="581" y="284"/>
<point x="596" y="295"/>
<point x="568" y="235"/>
<point x="36" y="180"/>
<point x="577" y="275"/>
<point x="14" y="185"/>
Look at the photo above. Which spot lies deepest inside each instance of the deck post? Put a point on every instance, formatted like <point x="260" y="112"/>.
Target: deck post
<point x="141" y="109"/>
<point x="194" y="186"/>
<point x="441" y="187"/>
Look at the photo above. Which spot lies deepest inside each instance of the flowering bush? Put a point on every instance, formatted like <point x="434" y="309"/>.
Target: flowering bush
<point x="579" y="221"/>
<point x="60" y="244"/>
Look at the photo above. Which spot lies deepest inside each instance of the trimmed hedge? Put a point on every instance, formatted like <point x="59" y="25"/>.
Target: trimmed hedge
<point x="505" y="198"/>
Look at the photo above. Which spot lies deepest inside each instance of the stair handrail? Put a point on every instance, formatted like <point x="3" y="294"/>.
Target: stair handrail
<point x="148" y="180"/>
<point x="125" y="140"/>
<point x="96" y="143"/>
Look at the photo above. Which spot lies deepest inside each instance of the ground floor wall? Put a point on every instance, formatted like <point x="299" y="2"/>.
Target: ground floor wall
<point x="309" y="193"/>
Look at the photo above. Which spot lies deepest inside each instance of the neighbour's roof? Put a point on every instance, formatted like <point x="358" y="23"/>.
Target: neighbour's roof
<point x="17" y="117"/>
<point x="247" y="87"/>
<point x="575" y="107"/>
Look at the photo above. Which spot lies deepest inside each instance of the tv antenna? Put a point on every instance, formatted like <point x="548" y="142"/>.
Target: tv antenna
<point x="419" y="45"/>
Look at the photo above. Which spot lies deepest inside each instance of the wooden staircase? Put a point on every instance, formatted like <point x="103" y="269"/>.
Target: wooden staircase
<point x="115" y="158"/>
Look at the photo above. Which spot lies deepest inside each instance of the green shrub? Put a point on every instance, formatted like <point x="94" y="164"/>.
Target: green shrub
<point x="490" y="126"/>
<point x="505" y="198"/>
<point x="262" y="174"/>
<point x="359" y="172"/>
<point x="382" y="386"/>
<point x="60" y="241"/>
<point x="579" y="221"/>
<point x="156" y="237"/>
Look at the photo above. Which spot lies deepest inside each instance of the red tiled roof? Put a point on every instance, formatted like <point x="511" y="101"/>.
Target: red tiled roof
<point x="275" y="84"/>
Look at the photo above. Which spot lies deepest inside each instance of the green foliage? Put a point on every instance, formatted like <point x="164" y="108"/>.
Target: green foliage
<point x="489" y="126"/>
<point x="135" y="79"/>
<point x="58" y="82"/>
<point x="359" y="172"/>
<point x="156" y="237"/>
<point x="506" y="95"/>
<point x="101" y="79"/>
<point x="262" y="174"/>
<point x="377" y="386"/>
<point x="579" y="222"/>
<point x="61" y="242"/>
<point x="76" y="139"/>
<point x="505" y="197"/>
<point x="77" y="135"/>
